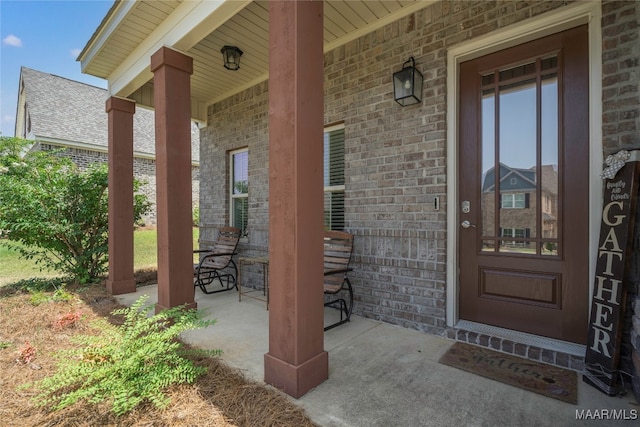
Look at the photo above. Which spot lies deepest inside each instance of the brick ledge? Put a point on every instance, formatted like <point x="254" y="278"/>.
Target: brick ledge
<point x="533" y="347"/>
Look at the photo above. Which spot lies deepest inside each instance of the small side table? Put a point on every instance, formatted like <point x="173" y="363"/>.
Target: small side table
<point x="264" y="261"/>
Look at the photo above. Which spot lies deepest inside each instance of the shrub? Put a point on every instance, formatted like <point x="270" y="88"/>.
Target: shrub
<point x="39" y="296"/>
<point x="127" y="364"/>
<point x="26" y="353"/>
<point x="195" y="213"/>
<point x="66" y="320"/>
<point x="58" y="212"/>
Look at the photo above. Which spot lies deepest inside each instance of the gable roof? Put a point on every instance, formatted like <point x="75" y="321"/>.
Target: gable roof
<point x="525" y="178"/>
<point x="72" y="113"/>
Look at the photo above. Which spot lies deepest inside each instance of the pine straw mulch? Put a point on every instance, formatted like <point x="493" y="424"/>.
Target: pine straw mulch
<point x="222" y="397"/>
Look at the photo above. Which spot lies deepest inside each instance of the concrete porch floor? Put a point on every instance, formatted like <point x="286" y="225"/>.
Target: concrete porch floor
<point x="384" y="375"/>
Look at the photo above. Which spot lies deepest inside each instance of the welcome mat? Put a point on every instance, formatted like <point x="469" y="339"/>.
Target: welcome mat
<point x="551" y="381"/>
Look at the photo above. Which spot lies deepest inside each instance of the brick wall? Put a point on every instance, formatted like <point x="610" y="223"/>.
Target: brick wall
<point x="396" y="157"/>
<point x="240" y="121"/>
<point x="143" y="169"/>
<point x="621" y="130"/>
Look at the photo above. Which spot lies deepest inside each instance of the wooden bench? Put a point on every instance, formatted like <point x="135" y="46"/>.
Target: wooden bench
<point x="338" y="247"/>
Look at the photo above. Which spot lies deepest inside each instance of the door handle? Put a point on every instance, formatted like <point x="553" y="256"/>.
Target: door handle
<point x="467" y="224"/>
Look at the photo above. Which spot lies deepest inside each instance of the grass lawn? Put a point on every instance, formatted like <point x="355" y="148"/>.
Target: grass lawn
<point x="146" y="251"/>
<point x="14" y="268"/>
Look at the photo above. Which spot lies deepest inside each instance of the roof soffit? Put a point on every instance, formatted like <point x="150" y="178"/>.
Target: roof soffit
<point x="200" y="28"/>
<point x="187" y="24"/>
<point x="110" y="23"/>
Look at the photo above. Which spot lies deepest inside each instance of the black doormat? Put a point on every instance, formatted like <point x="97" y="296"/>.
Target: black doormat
<point x="551" y="381"/>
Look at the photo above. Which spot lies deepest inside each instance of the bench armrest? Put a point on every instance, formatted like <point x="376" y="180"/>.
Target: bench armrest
<point x="337" y="271"/>
<point x="212" y="254"/>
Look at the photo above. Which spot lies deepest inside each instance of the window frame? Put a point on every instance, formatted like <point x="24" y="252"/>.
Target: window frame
<point x="233" y="196"/>
<point x="513" y="200"/>
<point x="514" y="233"/>
<point x="332" y="189"/>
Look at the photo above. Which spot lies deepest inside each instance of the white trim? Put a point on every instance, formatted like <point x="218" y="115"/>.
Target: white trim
<point x="595" y="139"/>
<point x="19" y="129"/>
<point x="552" y="22"/>
<point x="91" y="147"/>
<point x="72" y="144"/>
<point x="189" y="23"/>
<point x="405" y="10"/>
<point x="333" y="127"/>
<point x="115" y="18"/>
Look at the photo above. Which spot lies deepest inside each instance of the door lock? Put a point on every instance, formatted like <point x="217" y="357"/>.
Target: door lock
<point x="466" y="206"/>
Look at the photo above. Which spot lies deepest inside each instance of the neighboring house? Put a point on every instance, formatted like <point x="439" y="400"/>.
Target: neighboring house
<point x="517" y="213"/>
<point x="56" y="112"/>
<point x="546" y="82"/>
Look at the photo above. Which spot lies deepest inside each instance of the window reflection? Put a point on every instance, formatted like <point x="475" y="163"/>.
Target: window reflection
<point x="519" y="150"/>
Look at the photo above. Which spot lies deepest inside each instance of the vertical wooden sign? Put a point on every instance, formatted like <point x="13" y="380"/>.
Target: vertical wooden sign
<point x="602" y="356"/>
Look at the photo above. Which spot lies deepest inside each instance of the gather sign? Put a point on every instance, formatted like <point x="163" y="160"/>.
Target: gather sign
<point x="602" y="356"/>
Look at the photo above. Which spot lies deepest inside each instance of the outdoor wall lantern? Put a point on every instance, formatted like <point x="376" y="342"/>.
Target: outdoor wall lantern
<point x="231" y="56"/>
<point x="407" y="84"/>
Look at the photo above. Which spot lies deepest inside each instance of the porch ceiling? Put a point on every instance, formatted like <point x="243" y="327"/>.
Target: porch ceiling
<point x="120" y="49"/>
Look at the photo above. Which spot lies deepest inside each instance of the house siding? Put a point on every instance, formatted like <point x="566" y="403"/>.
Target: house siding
<point x="395" y="158"/>
<point x="144" y="169"/>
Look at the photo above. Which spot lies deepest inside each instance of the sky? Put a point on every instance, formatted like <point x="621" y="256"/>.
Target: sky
<point x="44" y="35"/>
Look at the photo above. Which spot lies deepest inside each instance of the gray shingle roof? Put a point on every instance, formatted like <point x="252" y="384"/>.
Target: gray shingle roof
<point x="68" y="110"/>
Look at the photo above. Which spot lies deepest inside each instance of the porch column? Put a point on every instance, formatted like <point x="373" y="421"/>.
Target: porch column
<point x="172" y="99"/>
<point x="120" y="128"/>
<point x="296" y="361"/>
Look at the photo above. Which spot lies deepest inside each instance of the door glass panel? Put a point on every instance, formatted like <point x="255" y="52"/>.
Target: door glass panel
<point x="549" y="171"/>
<point x="488" y="143"/>
<point x="488" y="245"/>
<point x="519" y="159"/>
<point x="518" y="142"/>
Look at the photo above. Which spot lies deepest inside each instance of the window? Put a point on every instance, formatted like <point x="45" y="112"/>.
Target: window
<point x="548" y="203"/>
<point x="239" y="184"/>
<point x="515" y="201"/>
<point x="334" y="178"/>
<point x="517" y="233"/>
<point x="513" y="232"/>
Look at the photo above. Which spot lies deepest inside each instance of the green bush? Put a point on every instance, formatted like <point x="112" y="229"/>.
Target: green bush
<point x="195" y="213"/>
<point x="57" y="212"/>
<point x="127" y="364"/>
<point x="40" y="297"/>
